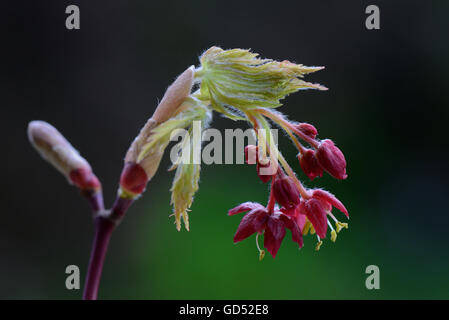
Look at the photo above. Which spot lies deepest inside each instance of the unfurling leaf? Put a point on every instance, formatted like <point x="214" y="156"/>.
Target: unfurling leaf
<point x="185" y="184"/>
<point x="240" y="80"/>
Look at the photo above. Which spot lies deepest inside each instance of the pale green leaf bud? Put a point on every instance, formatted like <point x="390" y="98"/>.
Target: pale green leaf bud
<point x="54" y="148"/>
<point x="240" y="80"/>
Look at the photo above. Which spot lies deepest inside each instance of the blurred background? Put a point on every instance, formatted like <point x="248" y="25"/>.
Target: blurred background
<point x="386" y="108"/>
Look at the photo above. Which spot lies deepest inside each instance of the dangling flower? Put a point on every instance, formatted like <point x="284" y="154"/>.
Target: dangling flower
<point x="252" y="222"/>
<point x="318" y="207"/>
<point x="309" y="164"/>
<point x="285" y="191"/>
<point x="331" y="159"/>
<point x="307" y="129"/>
<point x="272" y="224"/>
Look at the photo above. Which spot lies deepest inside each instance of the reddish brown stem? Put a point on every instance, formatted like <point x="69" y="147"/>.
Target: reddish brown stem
<point x="119" y="209"/>
<point x="95" y="199"/>
<point x="103" y="231"/>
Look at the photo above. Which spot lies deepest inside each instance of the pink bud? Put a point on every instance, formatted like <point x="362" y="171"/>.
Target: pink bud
<point x="133" y="178"/>
<point x="176" y="93"/>
<point x="310" y="165"/>
<point x="307" y="129"/>
<point x="285" y="191"/>
<point x="331" y="159"/>
<point x="55" y="148"/>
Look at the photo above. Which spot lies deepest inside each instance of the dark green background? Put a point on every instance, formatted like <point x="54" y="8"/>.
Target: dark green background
<point x="387" y="109"/>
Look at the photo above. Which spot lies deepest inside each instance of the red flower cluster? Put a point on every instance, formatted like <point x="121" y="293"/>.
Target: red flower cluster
<point x="273" y="222"/>
<point x="300" y="210"/>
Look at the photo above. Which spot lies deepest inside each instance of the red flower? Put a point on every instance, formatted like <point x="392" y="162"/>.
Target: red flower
<point x="252" y="157"/>
<point x="309" y="164"/>
<point x="252" y="222"/>
<point x="331" y="159"/>
<point x="285" y="191"/>
<point x="318" y="207"/>
<point x="273" y="225"/>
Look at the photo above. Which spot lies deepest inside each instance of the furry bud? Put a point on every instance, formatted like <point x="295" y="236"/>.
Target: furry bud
<point x="54" y="148"/>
